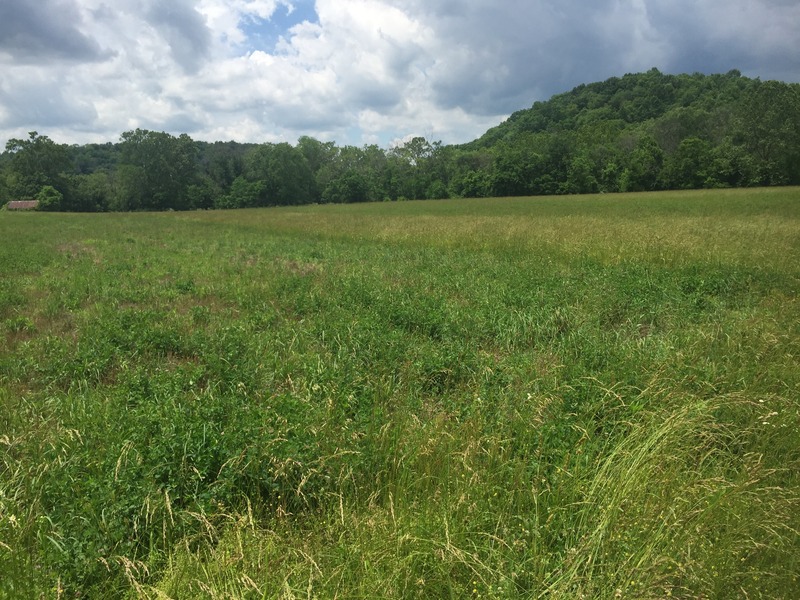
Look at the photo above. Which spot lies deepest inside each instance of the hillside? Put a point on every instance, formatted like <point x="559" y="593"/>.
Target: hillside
<point x="651" y="131"/>
<point x="640" y="132"/>
<point x="632" y="99"/>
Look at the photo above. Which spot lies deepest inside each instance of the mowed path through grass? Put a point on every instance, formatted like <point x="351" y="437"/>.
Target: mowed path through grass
<point x="499" y="398"/>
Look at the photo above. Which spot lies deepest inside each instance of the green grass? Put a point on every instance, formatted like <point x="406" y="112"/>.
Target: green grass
<point x="511" y="398"/>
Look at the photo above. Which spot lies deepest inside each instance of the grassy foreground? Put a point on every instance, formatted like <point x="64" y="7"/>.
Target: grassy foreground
<point x="593" y="397"/>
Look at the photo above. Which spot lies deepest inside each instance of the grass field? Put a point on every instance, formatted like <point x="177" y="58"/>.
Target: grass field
<point x="583" y="397"/>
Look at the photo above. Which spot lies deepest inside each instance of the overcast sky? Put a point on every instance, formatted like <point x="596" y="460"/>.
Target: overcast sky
<point x="353" y="71"/>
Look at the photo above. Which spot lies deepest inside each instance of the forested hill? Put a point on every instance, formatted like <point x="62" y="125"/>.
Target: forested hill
<point x="650" y="131"/>
<point x="632" y="99"/>
<point x="646" y="131"/>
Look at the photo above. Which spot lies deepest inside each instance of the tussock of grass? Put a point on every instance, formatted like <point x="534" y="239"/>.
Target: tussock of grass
<point x="654" y="513"/>
<point x="511" y="398"/>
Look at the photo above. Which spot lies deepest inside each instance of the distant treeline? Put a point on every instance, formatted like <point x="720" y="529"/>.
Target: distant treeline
<point x="640" y="132"/>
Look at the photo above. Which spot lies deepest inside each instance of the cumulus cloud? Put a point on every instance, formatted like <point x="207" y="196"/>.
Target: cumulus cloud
<point x="47" y="30"/>
<point x="357" y="71"/>
<point x="495" y="58"/>
<point x="42" y="102"/>
<point x="184" y="30"/>
<point x="755" y="36"/>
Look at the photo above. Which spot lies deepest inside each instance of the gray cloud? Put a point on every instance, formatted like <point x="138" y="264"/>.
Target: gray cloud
<point x="507" y="54"/>
<point x="758" y="37"/>
<point x="359" y="70"/>
<point x="488" y="73"/>
<point x="287" y="120"/>
<point x="178" y="123"/>
<point x="184" y="29"/>
<point x="49" y="30"/>
<point x="40" y="104"/>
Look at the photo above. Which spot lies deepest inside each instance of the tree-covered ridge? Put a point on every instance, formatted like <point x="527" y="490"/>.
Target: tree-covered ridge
<point x="630" y="99"/>
<point x="651" y="131"/>
<point x="646" y="131"/>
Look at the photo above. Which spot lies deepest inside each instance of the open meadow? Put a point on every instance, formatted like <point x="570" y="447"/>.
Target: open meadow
<point x="564" y="397"/>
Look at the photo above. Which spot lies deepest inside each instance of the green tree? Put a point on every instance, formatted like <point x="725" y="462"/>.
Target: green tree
<point x="49" y="198"/>
<point x="470" y="173"/>
<point x="769" y="126"/>
<point x="374" y="167"/>
<point x="515" y="167"/>
<point x="472" y="184"/>
<point x="644" y="166"/>
<point x="94" y="158"/>
<point x="156" y="170"/>
<point x="730" y="166"/>
<point x="321" y="158"/>
<point x="413" y="166"/>
<point x="283" y="172"/>
<point x="348" y="187"/>
<point x="89" y="193"/>
<point x="580" y="176"/>
<point x="36" y="162"/>
<point x="679" y="124"/>
<point x="243" y="194"/>
<point x="203" y="193"/>
<point x="219" y="164"/>
<point x="688" y="166"/>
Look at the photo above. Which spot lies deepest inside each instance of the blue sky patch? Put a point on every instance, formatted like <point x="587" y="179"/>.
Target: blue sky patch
<point x="263" y="34"/>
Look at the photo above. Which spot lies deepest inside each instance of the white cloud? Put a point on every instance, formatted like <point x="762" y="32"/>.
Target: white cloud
<point x="226" y="17"/>
<point x="357" y="71"/>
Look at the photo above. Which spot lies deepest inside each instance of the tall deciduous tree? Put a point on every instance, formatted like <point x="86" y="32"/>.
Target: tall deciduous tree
<point x="348" y="187"/>
<point x="50" y="198"/>
<point x="644" y="166"/>
<point x="320" y="158"/>
<point x="36" y="162"/>
<point x="284" y="174"/>
<point x="156" y="170"/>
<point x="418" y="169"/>
<point x="770" y="128"/>
<point x="689" y="166"/>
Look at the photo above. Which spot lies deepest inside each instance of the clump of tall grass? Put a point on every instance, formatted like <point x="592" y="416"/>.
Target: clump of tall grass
<point x="680" y="507"/>
<point x="667" y="502"/>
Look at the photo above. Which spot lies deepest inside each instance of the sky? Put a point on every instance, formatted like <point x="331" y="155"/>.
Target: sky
<point x="352" y="71"/>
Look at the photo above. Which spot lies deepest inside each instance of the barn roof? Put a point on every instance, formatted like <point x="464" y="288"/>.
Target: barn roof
<point x="23" y="204"/>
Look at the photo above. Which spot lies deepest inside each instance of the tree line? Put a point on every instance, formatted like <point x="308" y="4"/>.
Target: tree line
<point x="646" y="131"/>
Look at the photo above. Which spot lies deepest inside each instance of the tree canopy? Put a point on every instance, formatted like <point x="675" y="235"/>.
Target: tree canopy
<point x="646" y="131"/>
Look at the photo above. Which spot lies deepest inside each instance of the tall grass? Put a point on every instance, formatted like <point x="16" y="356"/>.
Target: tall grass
<point x="558" y="398"/>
